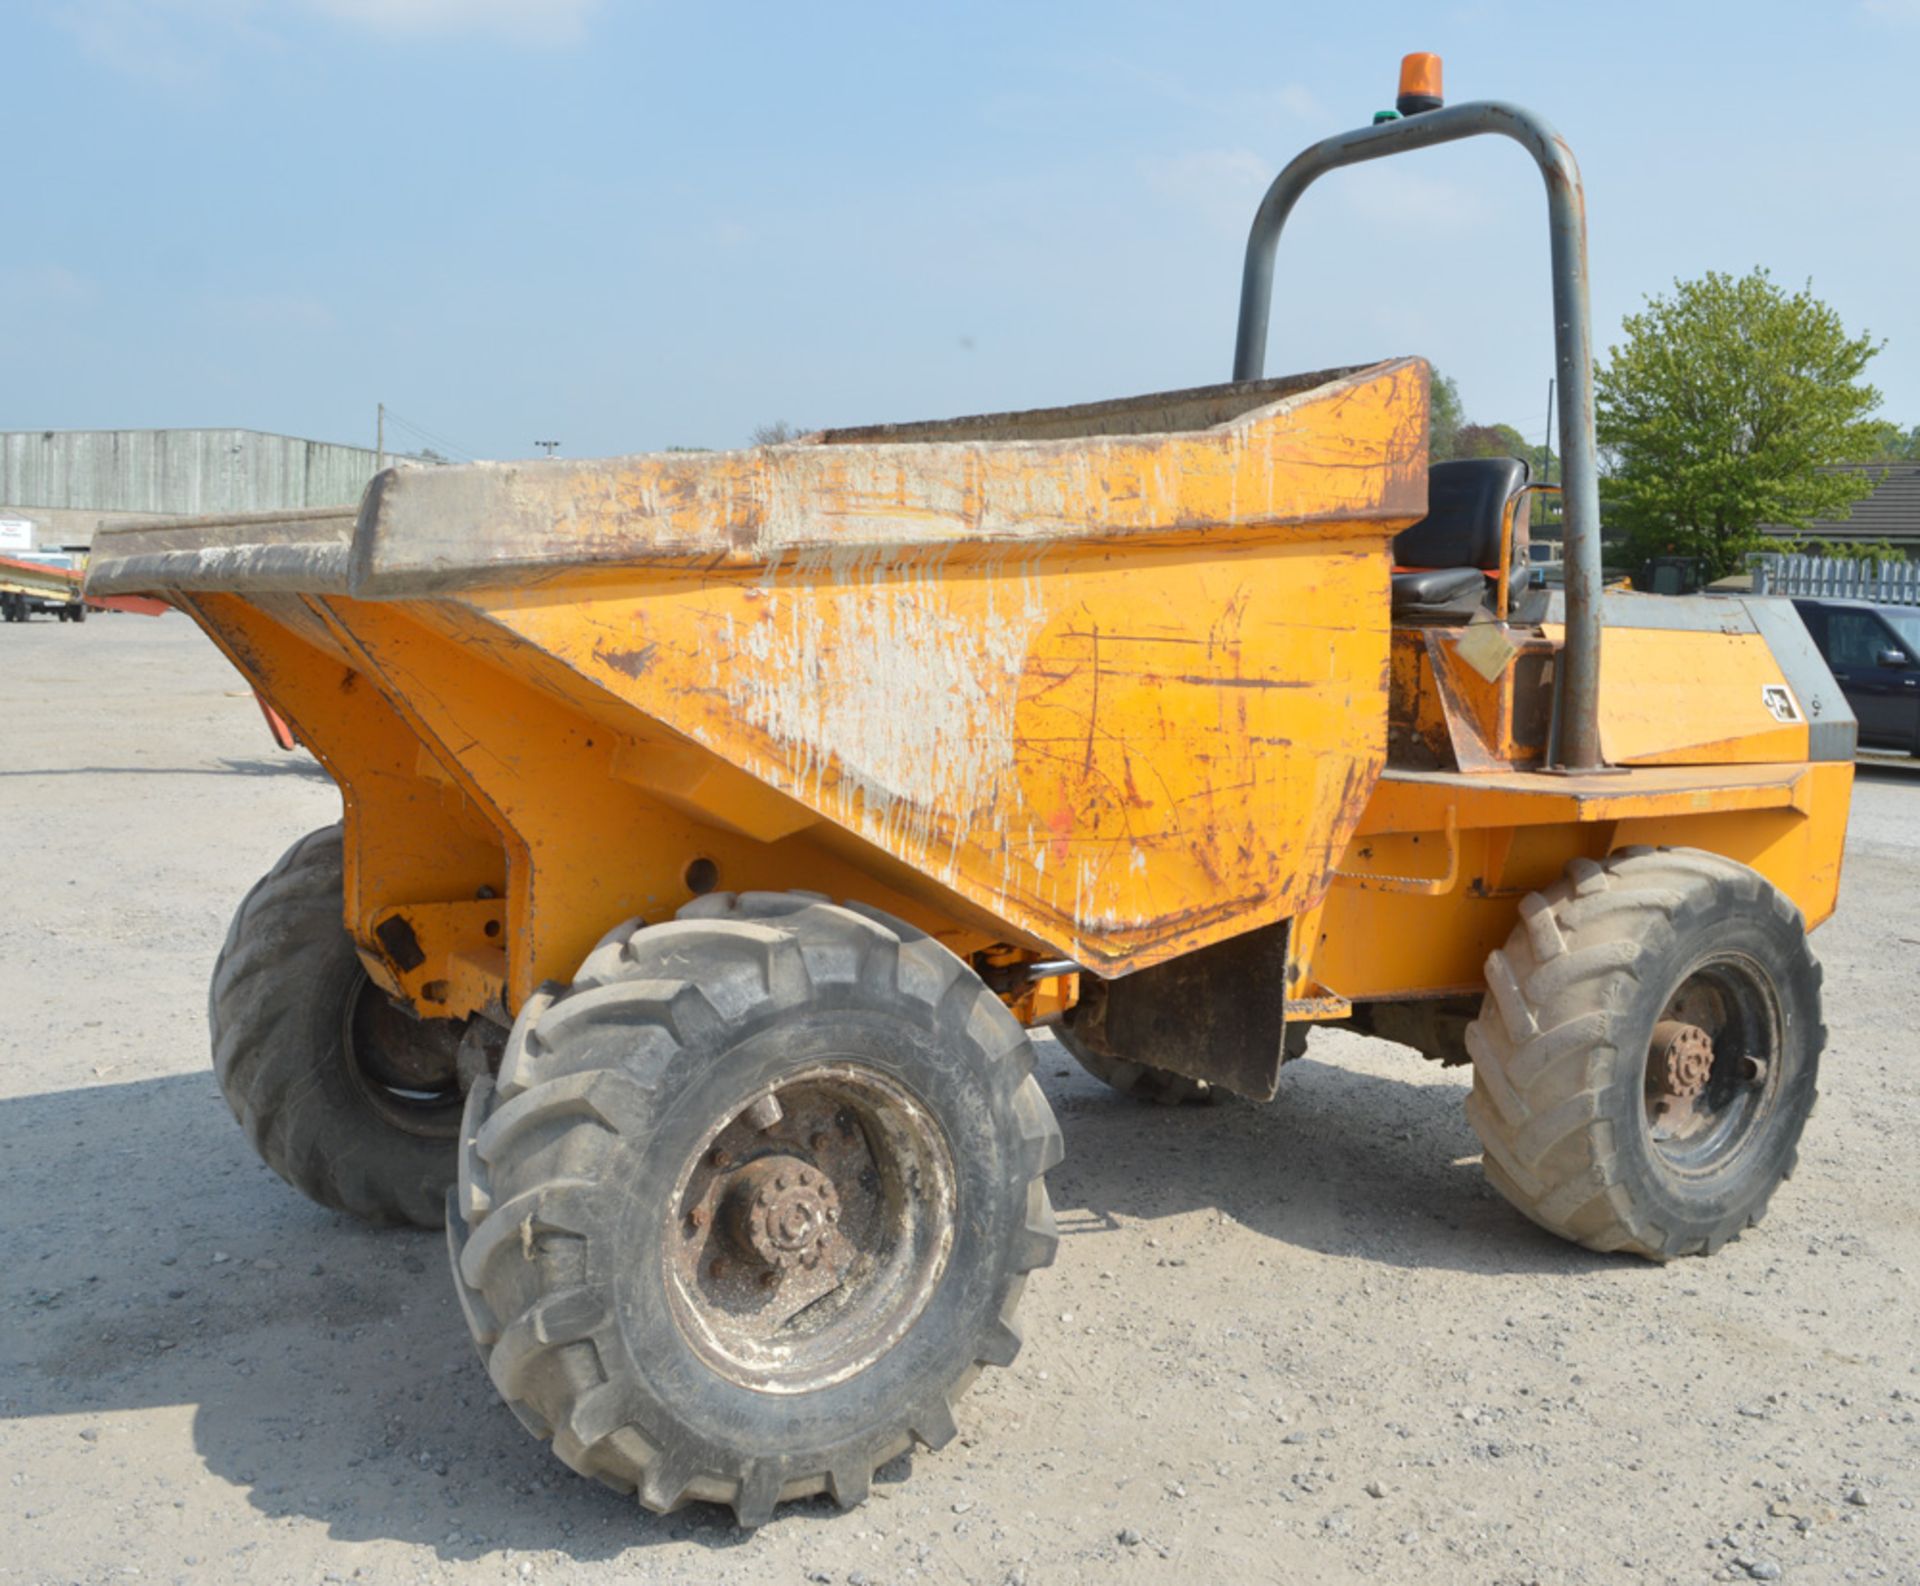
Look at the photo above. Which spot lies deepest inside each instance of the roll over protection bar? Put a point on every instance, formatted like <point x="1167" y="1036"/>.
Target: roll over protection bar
<point x="1579" y="671"/>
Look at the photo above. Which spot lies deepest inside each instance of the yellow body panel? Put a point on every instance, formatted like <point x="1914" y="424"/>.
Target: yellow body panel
<point x="1697" y="698"/>
<point x="1122" y="758"/>
<point x="1378" y="937"/>
<point x="1106" y="685"/>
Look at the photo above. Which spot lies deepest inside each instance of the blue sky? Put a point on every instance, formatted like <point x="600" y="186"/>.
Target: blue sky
<point x="628" y="225"/>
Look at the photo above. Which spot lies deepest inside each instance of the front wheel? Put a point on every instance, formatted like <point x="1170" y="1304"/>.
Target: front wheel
<point x="351" y="1100"/>
<point x="752" y="1202"/>
<point x="1647" y="1052"/>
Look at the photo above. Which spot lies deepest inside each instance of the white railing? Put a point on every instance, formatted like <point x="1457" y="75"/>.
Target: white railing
<point x="1837" y="578"/>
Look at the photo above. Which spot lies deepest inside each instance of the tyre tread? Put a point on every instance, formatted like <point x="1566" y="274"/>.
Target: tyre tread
<point x="545" y="1342"/>
<point x="1541" y="1046"/>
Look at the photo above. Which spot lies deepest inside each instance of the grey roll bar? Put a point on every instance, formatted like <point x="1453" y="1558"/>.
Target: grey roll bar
<point x="1579" y="673"/>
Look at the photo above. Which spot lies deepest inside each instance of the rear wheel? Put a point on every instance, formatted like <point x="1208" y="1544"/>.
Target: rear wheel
<point x="752" y="1202"/>
<point x="1647" y="1052"/>
<point x="351" y="1100"/>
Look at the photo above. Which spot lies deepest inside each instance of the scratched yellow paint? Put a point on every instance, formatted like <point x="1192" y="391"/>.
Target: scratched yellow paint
<point x="1121" y="757"/>
<point x="408" y="835"/>
<point x="1327" y="457"/>
<point x="1786" y="821"/>
<point x="1112" y="699"/>
<point x="1686" y="698"/>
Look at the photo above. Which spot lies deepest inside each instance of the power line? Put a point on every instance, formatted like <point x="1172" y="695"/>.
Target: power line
<point x="432" y="438"/>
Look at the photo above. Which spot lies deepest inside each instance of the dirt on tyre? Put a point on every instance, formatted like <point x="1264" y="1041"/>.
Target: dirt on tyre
<point x="352" y="1101"/>
<point x="1647" y="1052"/>
<point x="752" y="1201"/>
<point x="1142" y="1081"/>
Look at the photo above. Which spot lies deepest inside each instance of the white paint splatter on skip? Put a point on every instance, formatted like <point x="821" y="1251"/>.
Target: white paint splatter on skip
<point x="863" y="663"/>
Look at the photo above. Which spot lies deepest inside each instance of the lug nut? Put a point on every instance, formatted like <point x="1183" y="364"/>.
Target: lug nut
<point x="818" y="1141"/>
<point x="697" y="1218"/>
<point x="718" y="1158"/>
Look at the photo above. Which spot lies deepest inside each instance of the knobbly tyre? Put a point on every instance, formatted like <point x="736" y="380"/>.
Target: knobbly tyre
<point x="716" y="826"/>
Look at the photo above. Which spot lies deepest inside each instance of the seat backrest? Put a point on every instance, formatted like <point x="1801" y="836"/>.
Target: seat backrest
<point x="1466" y="505"/>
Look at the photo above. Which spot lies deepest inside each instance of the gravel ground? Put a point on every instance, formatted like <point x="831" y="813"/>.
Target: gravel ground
<point x="1302" y="1340"/>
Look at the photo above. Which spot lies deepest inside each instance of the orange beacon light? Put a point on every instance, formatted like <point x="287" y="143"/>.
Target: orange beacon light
<point x="1419" y="84"/>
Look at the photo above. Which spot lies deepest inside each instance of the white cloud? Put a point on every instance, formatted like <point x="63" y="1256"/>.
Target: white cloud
<point x="44" y="285"/>
<point x="278" y="311"/>
<point x="1410" y="204"/>
<point x="1222" y="185"/>
<point x="179" y="42"/>
<point x="526" y="21"/>
<point x="165" y="41"/>
<point x="1301" y="101"/>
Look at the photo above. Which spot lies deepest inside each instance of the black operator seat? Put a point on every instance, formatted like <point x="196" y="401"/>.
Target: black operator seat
<point x="1443" y="562"/>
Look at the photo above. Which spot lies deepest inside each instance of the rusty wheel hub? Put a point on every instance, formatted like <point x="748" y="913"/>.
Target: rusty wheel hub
<point x="782" y="1211"/>
<point x="810" y="1229"/>
<point x="1712" y="1071"/>
<point x="1679" y="1064"/>
<point x="1683" y="1057"/>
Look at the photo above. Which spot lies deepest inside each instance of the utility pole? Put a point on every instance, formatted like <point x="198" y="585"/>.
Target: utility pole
<point x="549" y="447"/>
<point x="1548" y="470"/>
<point x="379" y="436"/>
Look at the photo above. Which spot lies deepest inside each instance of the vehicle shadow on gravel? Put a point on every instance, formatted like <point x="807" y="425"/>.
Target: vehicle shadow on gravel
<point x="329" y="1368"/>
<point x="1341" y="1162"/>
<point x="292" y="765"/>
<point x="327" y="1363"/>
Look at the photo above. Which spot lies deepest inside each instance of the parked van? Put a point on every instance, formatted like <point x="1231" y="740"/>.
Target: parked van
<point x="1874" y="654"/>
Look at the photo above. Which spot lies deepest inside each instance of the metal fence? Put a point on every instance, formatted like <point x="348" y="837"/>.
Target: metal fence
<point x="178" y="471"/>
<point x="1891" y="583"/>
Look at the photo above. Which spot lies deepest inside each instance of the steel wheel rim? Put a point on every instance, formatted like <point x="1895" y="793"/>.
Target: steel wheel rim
<point x="431" y="1111"/>
<point x="1730" y="998"/>
<point x="799" y="1252"/>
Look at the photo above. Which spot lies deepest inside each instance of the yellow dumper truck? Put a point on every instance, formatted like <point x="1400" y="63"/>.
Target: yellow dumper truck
<point x="716" y="826"/>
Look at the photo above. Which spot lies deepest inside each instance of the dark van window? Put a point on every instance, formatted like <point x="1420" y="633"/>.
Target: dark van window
<point x="1856" y="638"/>
<point x="1906" y="624"/>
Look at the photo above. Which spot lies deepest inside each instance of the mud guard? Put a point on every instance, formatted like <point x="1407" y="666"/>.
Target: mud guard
<point x="1218" y="1014"/>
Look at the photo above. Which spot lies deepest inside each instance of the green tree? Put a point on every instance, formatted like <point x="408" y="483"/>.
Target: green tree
<point x="1881" y="551"/>
<point x="1895" y="445"/>
<point x="1445" y="415"/>
<point x="1718" y="411"/>
<point x="1491" y="440"/>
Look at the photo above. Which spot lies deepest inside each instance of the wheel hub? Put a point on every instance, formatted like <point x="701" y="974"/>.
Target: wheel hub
<point x="1684" y="1053"/>
<point x="810" y="1229"/>
<point x="782" y="1211"/>
<point x="1679" y="1064"/>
